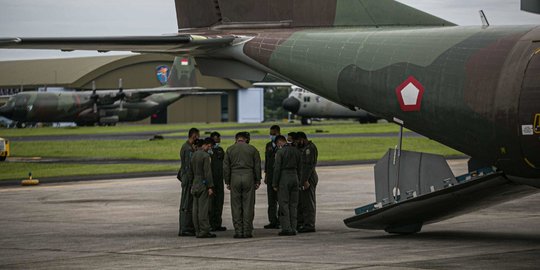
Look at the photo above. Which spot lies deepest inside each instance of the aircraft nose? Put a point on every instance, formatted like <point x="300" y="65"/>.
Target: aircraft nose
<point x="5" y="112"/>
<point x="291" y="104"/>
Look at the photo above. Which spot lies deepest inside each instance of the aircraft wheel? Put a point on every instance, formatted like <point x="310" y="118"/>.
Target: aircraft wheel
<point x="306" y="121"/>
<point x="21" y="125"/>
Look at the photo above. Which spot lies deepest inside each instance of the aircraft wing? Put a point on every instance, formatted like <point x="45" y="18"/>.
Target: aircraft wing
<point x="134" y="95"/>
<point x="142" y="44"/>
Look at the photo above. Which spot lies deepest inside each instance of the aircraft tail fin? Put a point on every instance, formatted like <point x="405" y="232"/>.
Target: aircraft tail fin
<point x="300" y="13"/>
<point x="182" y="72"/>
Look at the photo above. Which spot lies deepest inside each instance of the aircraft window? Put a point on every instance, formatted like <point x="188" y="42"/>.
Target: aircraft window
<point x="307" y="99"/>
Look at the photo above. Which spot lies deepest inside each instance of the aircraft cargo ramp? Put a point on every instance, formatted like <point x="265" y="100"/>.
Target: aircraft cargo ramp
<point x="414" y="189"/>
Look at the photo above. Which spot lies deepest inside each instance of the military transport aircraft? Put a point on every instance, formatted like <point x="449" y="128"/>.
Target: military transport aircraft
<point x="104" y="107"/>
<point x="308" y="105"/>
<point x="475" y="89"/>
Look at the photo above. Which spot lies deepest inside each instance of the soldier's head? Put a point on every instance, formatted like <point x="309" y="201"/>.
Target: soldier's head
<point x="292" y="137"/>
<point x="193" y="135"/>
<point x="216" y="137"/>
<point x="302" y="139"/>
<point x="241" y="137"/>
<point x="207" y="144"/>
<point x="280" y="141"/>
<point x="275" y="130"/>
<point x="197" y="144"/>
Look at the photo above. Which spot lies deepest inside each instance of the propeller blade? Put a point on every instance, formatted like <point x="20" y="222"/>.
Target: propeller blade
<point x="121" y="95"/>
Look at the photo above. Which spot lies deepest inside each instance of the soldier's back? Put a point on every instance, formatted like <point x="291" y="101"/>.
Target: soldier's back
<point x="242" y="156"/>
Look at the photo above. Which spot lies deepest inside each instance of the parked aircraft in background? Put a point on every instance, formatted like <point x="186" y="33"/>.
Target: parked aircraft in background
<point x="92" y="107"/>
<point x="308" y="105"/>
<point x="103" y="107"/>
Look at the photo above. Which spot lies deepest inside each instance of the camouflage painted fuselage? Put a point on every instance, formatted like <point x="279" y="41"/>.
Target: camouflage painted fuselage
<point x="481" y="85"/>
<point x="78" y="107"/>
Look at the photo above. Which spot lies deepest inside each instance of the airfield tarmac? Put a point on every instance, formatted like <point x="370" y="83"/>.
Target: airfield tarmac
<point x="132" y="223"/>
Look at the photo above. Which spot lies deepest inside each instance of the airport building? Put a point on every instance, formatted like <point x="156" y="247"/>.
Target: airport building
<point x="136" y="71"/>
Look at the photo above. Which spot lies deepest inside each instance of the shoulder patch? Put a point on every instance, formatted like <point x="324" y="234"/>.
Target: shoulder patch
<point x="308" y="152"/>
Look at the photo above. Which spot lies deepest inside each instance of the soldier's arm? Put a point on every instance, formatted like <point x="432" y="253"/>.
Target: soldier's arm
<point x="184" y="159"/>
<point x="299" y="165"/>
<point x="208" y="172"/>
<point x="257" y="167"/>
<point x="266" y="159"/>
<point x="189" y="172"/>
<point x="316" y="156"/>
<point x="307" y="166"/>
<point x="227" y="169"/>
<point x="277" y="169"/>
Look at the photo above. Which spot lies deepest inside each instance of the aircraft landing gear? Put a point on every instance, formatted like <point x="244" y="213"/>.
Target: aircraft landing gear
<point x="20" y="125"/>
<point x="306" y="121"/>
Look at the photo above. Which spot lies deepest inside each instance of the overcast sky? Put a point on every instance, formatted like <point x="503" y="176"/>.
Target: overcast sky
<point x="156" y="17"/>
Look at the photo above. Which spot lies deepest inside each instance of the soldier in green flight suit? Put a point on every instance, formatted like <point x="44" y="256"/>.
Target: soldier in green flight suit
<point x="270" y="153"/>
<point x="200" y="174"/>
<point x="186" y="199"/>
<point x="308" y="183"/>
<point x="285" y="182"/>
<point x="242" y="174"/>
<point x="216" y="208"/>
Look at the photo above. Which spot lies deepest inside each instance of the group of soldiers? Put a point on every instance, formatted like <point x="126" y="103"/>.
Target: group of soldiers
<point x="206" y="170"/>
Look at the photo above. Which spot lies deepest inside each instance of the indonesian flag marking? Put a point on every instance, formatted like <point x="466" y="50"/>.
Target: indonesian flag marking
<point x="184" y="62"/>
<point x="410" y="94"/>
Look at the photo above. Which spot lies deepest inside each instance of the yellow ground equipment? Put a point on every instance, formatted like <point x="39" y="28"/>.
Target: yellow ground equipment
<point x="30" y="181"/>
<point x="4" y="149"/>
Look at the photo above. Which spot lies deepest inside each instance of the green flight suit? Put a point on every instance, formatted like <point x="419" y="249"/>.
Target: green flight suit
<point x="286" y="175"/>
<point x="272" y="195"/>
<point x="307" y="208"/>
<point x="216" y="207"/>
<point x="200" y="172"/>
<point x="242" y="171"/>
<point x="186" y="199"/>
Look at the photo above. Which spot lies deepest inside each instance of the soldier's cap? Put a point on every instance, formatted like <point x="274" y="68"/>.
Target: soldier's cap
<point x="243" y="134"/>
<point x="198" y="142"/>
<point x="281" y="138"/>
<point x="293" y="135"/>
<point x="301" y="135"/>
<point x="215" y="134"/>
<point x="208" y="141"/>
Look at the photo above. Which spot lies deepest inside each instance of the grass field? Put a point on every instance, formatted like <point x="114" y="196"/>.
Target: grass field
<point x="331" y="127"/>
<point x="45" y="131"/>
<point x="330" y="149"/>
<point x="343" y="149"/>
<point x="336" y="128"/>
<point x="12" y="171"/>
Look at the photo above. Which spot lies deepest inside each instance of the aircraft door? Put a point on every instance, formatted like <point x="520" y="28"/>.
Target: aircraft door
<point x="529" y="112"/>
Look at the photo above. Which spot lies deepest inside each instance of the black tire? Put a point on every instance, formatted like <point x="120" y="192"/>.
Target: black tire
<point x="306" y="121"/>
<point x="20" y="125"/>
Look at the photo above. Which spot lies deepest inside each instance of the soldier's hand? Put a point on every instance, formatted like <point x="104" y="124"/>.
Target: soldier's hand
<point x="210" y="192"/>
<point x="257" y="185"/>
<point x="228" y="187"/>
<point x="275" y="189"/>
<point x="266" y="179"/>
<point x="306" y="185"/>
